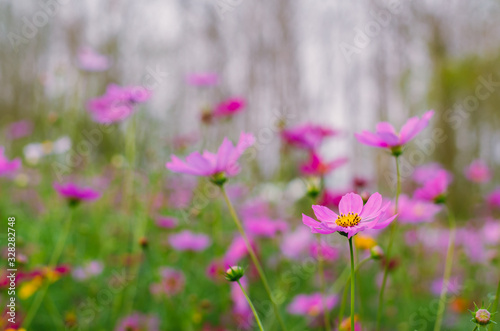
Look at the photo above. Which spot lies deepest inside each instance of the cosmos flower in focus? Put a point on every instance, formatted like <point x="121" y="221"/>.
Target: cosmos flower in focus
<point x="354" y="216"/>
<point x="117" y="104"/>
<point x="311" y="304"/>
<point x="90" y="60"/>
<point x="172" y="282"/>
<point x="8" y="167"/>
<point x="20" y="129"/>
<point x="229" y="107"/>
<point x="139" y="322"/>
<point x="318" y="167"/>
<point x="307" y="136"/>
<point x="188" y="241"/>
<point x="387" y="137"/>
<point x="202" y="79"/>
<point x="416" y="211"/>
<point x="435" y="188"/>
<point x="222" y="164"/>
<point x="478" y="172"/>
<point x="75" y="193"/>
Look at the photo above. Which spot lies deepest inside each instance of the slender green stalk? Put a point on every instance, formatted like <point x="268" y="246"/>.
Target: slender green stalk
<point x="495" y="303"/>
<point x="476" y="328"/>
<point x="259" y="323"/>
<point x="344" y="296"/>
<point x="389" y="248"/>
<point x="52" y="263"/>
<point x="447" y="271"/>
<point x="326" y="315"/>
<point x="353" y="281"/>
<point x="253" y="256"/>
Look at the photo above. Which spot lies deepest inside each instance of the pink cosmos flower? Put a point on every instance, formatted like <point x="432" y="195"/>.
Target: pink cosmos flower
<point x="490" y="233"/>
<point x="387" y="137"/>
<point x="478" y="172"/>
<point x="311" y="304"/>
<point x="297" y="242"/>
<point x="117" y="103"/>
<point x="224" y="162"/>
<point x="172" y="282"/>
<point x="90" y="60"/>
<point x="327" y="252"/>
<point x="229" y="107"/>
<point x="416" y="211"/>
<point x="354" y="216"/>
<point x="8" y="167"/>
<point x="203" y="79"/>
<point x="166" y="222"/>
<point x="188" y="241"/>
<point x="75" y="193"/>
<point x="435" y="188"/>
<point x="19" y="129"/>
<point x="429" y="171"/>
<point x="264" y="227"/>
<point x="494" y="198"/>
<point x="317" y="167"/>
<point x="307" y="136"/>
<point x="139" y="322"/>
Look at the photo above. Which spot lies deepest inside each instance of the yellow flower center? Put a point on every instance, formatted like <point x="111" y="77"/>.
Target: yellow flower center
<point x="348" y="220"/>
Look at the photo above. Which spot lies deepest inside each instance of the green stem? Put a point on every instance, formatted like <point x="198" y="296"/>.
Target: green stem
<point x="353" y="281"/>
<point x="326" y="315"/>
<point x="447" y="271"/>
<point x="52" y="263"/>
<point x="253" y="256"/>
<point x="251" y="306"/>
<point x="344" y="296"/>
<point x="389" y="248"/>
<point x="495" y="303"/>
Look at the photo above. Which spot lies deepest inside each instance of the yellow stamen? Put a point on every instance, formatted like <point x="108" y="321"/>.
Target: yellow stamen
<point x="348" y="220"/>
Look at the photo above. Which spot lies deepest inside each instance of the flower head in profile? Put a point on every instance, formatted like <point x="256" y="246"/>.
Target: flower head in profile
<point x="117" y="104"/>
<point x="316" y="166"/>
<point x="139" y="322"/>
<point x="218" y="165"/>
<point x="387" y="137"/>
<point x="229" y="107"/>
<point x="307" y="136"/>
<point x="189" y="241"/>
<point x="354" y="216"/>
<point x="311" y="304"/>
<point x="202" y="79"/>
<point x="8" y="167"/>
<point x="478" y="172"/>
<point x="90" y="60"/>
<point x="435" y="188"/>
<point x="75" y="193"/>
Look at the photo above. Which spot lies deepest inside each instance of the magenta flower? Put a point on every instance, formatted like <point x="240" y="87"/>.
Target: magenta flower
<point x="307" y="136"/>
<point x="327" y="252"/>
<point x="229" y="107"/>
<point x="203" y="79"/>
<point x="19" y="129"/>
<point x="7" y="167"/>
<point x="478" y="172"/>
<point x="172" y="282"/>
<point x="416" y="211"/>
<point x="311" y="304"/>
<point x="166" y="222"/>
<point x="387" y="137"/>
<point x="188" y="241"/>
<point x="90" y="60"/>
<point x="494" y="198"/>
<point x="223" y="163"/>
<point x="74" y="193"/>
<point x="139" y="322"/>
<point x="264" y="227"/>
<point x="435" y="188"/>
<point x="317" y="167"/>
<point x="117" y="104"/>
<point x="354" y="216"/>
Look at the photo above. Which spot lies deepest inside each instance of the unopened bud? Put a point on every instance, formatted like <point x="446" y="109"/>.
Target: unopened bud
<point x="376" y="252"/>
<point x="234" y="274"/>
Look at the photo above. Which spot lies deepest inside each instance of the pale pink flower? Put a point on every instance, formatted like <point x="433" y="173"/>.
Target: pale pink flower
<point x="188" y="241"/>
<point x="311" y="304"/>
<point x="318" y="167"/>
<point x="307" y="136"/>
<point x="90" y="60"/>
<point x="478" y="172"/>
<point x="416" y="211"/>
<point x="138" y="322"/>
<point x="435" y="188"/>
<point x="203" y="79"/>
<point x="19" y="129"/>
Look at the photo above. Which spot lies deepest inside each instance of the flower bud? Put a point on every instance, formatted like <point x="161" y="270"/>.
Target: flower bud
<point x="482" y="317"/>
<point x="143" y="242"/>
<point x="218" y="179"/>
<point x="313" y="187"/>
<point x="376" y="252"/>
<point x="234" y="274"/>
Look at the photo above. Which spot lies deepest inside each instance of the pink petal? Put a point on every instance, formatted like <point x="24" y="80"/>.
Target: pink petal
<point x="324" y="214"/>
<point x="350" y="203"/>
<point x="370" y="139"/>
<point x="384" y="127"/>
<point x="372" y="206"/>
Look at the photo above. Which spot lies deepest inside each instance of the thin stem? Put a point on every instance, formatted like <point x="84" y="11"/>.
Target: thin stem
<point x="353" y="281"/>
<point x="447" y="271"/>
<point x="389" y="248"/>
<point x="259" y="323"/>
<point x="344" y="296"/>
<point x="52" y="263"/>
<point x="321" y="271"/>
<point x="253" y="256"/>
<point x="495" y="303"/>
